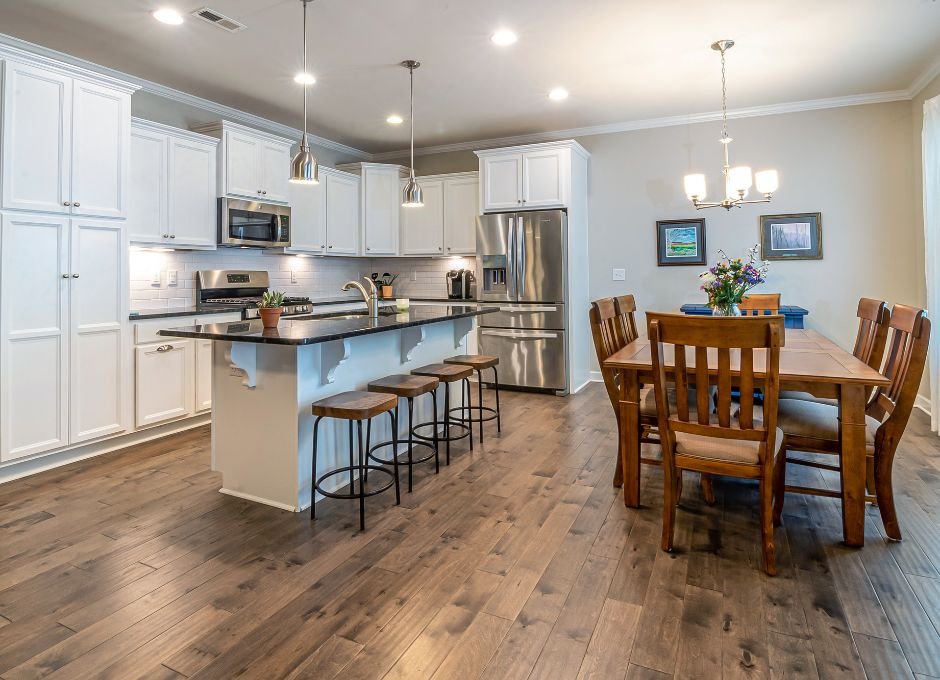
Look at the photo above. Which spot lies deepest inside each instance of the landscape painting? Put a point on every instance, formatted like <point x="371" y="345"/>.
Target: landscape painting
<point x="791" y="237"/>
<point x="680" y="242"/>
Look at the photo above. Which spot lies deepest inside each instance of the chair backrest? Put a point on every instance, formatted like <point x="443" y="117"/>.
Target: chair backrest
<point x="625" y="306"/>
<point x="873" y="319"/>
<point x="759" y="304"/>
<point x="732" y="343"/>
<point x="605" y="329"/>
<point x="904" y="367"/>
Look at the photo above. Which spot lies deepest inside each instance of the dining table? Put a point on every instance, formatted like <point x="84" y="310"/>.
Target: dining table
<point x="809" y="362"/>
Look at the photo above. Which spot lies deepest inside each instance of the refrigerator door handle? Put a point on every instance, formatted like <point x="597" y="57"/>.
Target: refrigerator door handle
<point x="511" y="259"/>
<point x="521" y="268"/>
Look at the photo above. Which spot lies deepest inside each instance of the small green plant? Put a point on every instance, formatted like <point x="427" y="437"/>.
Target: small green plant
<point x="271" y="299"/>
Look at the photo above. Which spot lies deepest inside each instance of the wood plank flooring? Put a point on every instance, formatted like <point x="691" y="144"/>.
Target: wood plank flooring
<point x="517" y="561"/>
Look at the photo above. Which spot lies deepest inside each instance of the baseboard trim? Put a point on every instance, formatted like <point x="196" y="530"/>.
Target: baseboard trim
<point x="595" y="376"/>
<point x="923" y="403"/>
<point x="259" y="499"/>
<point x="48" y="461"/>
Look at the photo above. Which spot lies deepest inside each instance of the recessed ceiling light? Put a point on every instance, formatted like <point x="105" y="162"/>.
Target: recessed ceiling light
<point x="504" y="37"/>
<point x="304" y="78"/>
<point x="558" y="94"/>
<point x="168" y="16"/>
<point x="394" y="119"/>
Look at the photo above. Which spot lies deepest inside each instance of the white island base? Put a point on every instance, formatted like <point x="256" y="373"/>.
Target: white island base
<point x="262" y="428"/>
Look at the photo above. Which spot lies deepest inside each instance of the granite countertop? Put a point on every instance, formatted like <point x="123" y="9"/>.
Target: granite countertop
<point x="192" y="310"/>
<point x="315" y="328"/>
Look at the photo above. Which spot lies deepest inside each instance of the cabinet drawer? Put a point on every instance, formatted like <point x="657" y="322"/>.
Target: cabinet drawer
<point x="146" y="331"/>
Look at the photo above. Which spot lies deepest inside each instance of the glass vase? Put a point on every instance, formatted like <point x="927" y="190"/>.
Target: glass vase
<point x="726" y="310"/>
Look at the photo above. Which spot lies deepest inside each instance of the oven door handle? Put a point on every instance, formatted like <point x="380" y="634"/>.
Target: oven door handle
<point x="521" y="335"/>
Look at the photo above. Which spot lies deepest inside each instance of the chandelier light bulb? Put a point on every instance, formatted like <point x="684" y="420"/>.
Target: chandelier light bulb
<point x="766" y="181"/>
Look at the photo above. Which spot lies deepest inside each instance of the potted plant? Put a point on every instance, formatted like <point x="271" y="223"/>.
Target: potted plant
<point x="728" y="281"/>
<point x="384" y="283"/>
<point x="270" y="307"/>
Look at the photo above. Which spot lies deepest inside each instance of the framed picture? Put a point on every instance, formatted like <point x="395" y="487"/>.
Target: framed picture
<point x="791" y="237"/>
<point x="680" y="242"/>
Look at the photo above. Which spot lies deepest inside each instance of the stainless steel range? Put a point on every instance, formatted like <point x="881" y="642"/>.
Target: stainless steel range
<point x="244" y="288"/>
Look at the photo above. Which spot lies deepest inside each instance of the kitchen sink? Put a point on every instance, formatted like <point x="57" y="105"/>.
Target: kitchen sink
<point x="343" y="316"/>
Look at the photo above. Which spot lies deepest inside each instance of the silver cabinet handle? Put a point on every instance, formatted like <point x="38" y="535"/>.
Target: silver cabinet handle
<point x="65" y="276"/>
<point x="166" y="236"/>
<point x="323" y="246"/>
<point x="164" y="348"/>
<point x="172" y="235"/>
<point x="66" y="203"/>
<point x="76" y="204"/>
<point x="439" y="248"/>
<point x="331" y="247"/>
<point x="74" y="276"/>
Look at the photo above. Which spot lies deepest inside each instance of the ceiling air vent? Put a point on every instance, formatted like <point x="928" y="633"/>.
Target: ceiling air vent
<point x="218" y="19"/>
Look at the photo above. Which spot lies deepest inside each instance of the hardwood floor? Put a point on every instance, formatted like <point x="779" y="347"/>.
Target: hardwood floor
<point x="517" y="561"/>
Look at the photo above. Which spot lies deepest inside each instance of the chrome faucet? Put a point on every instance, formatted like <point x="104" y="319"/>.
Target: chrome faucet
<point x="371" y="296"/>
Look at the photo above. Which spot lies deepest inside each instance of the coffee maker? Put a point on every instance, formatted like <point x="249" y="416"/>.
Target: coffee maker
<point x="460" y="284"/>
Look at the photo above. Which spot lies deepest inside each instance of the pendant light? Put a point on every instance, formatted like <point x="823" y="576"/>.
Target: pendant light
<point x="304" y="168"/>
<point x="412" y="196"/>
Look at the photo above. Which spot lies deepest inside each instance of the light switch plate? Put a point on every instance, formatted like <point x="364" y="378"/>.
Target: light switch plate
<point x="620" y="274"/>
<point x="155" y="279"/>
<point x="293" y="276"/>
<point x="172" y="277"/>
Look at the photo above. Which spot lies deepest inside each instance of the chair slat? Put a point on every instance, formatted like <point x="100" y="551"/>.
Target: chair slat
<point x="746" y="414"/>
<point x="682" y="383"/>
<point x="724" y="387"/>
<point x="702" y="386"/>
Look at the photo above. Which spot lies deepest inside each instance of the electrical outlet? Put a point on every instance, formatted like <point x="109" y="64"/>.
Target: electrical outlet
<point x="414" y="274"/>
<point x="620" y="274"/>
<point x="293" y="276"/>
<point x="156" y="278"/>
<point x="172" y="278"/>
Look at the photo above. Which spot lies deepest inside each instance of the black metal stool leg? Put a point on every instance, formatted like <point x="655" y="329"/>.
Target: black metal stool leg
<point x="352" y="463"/>
<point x="411" y="441"/>
<point x="446" y="418"/>
<point x="480" y="393"/>
<point x="499" y="423"/>
<point x="368" y="439"/>
<point x="313" y="479"/>
<point x="437" y="441"/>
<point x="469" y="410"/>
<point x="394" y="416"/>
<point x="362" y="471"/>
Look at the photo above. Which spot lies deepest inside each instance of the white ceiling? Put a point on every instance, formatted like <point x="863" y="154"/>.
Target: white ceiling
<point x="622" y="60"/>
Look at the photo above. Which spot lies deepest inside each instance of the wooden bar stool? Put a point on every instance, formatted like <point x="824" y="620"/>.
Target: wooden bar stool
<point x="446" y="374"/>
<point x="408" y="387"/>
<point x="479" y="363"/>
<point x="356" y="406"/>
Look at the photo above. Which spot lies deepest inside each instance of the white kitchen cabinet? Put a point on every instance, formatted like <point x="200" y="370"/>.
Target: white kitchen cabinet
<point x="172" y="187"/>
<point x="66" y="142"/>
<point x="63" y="312"/>
<point x="308" y="217"/>
<point x="534" y="176"/>
<point x="203" y="375"/>
<point x="381" y="200"/>
<point x="461" y="207"/>
<point x="252" y="164"/>
<point x="342" y="213"/>
<point x="164" y="375"/>
<point x="422" y="228"/>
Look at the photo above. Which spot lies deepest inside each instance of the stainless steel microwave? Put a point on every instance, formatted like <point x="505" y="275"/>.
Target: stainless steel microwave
<point x="250" y="224"/>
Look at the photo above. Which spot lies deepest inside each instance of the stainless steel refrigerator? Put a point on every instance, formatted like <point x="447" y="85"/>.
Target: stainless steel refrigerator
<point x="522" y="268"/>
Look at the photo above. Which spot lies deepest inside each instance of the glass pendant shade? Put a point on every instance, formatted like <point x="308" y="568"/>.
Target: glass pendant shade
<point x="695" y="186"/>
<point x="766" y="181"/>
<point x="304" y="168"/>
<point x="412" y="197"/>
<point x="740" y="180"/>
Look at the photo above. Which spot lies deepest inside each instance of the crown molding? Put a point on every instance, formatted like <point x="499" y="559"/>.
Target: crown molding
<point x="925" y="78"/>
<point x="18" y="48"/>
<point x="650" y="123"/>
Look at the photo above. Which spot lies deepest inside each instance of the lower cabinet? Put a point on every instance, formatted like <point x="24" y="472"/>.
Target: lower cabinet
<point x="164" y="373"/>
<point x="203" y="374"/>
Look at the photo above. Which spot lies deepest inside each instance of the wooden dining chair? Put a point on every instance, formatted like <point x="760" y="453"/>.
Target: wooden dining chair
<point x="625" y="308"/>
<point x="873" y="320"/>
<point x="608" y="332"/>
<point x="728" y="443"/>
<point x="759" y="304"/>
<point x="814" y="427"/>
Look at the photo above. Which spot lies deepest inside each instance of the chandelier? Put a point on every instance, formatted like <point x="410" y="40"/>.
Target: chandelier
<point x="738" y="180"/>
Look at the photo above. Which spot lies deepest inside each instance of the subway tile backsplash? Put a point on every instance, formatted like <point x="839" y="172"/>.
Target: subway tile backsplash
<point x="151" y="274"/>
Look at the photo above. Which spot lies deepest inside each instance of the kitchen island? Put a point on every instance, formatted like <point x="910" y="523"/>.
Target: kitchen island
<point x="264" y="381"/>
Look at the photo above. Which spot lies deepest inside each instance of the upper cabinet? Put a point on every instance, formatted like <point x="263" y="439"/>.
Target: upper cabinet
<point x="66" y="142"/>
<point x="381" y="200"/>
<point x="528" y="177"/>
<point x="325" y="216"/>
<point x="446" y="223"/>
<point x="172" y="187"/>
<point x="252" y="164"/>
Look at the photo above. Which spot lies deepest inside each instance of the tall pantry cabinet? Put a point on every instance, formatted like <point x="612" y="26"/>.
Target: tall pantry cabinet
<point x="63" y="257"/>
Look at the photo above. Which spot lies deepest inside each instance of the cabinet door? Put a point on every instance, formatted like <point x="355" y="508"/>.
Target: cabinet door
<point x="146" y="210"/>
<point x="422" y="228"/>
<point x="98" y="318"/>
<point x="37" y="112"/>
<point x="461" y="205"/>
<point x="242" y="165"/>
<point x="545" y="175"/>
<point x="275" y="169"/>
<point x="101" y="119"/>
<point x="34" y="278"/>
<point x="203" y="374"/>
<point x="381" y="203"/>
<point x="192" y="204"/>
<point x="165" y="388"/>
<point x="502" y="182"/>
<point x="342" y="215"/>
<point x="307" y="217"/>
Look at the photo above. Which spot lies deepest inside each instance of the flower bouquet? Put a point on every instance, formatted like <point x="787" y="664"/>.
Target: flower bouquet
<point x="728" y="281"/>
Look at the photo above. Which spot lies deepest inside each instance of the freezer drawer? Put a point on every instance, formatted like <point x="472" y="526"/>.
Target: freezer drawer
<point x="527" y="358"/>
<point x="514" y="315"/>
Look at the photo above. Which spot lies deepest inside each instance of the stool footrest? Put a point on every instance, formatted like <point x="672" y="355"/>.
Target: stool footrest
<point x="402" y="461"/>
<point x="441" y="437"/>
<point x="346" y="470"/>
<point x="471" y="418"/>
